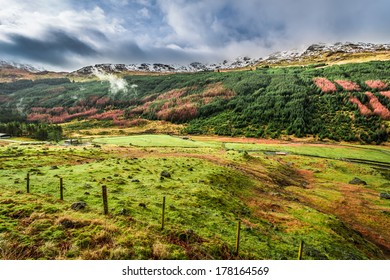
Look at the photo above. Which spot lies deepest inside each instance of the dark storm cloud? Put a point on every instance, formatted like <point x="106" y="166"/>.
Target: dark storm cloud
<point x="95" y="34"/>
<point x="168" y="55"/>
<point x="231" y="23"/>
<point x="56" y="47"/>
<point x="125" y="51"/>
<point x="278" y="22"/>
<point x="131" y="52"/>
<point x="78" y="33"/>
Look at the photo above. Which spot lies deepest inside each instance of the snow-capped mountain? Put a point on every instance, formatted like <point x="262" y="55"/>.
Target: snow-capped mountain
<point x="27" y="67"/>
<point x="321" y="49"/>
<point x="315" y="51"/>
<point x="347" y="47"/>
<point x="239" y="62"/>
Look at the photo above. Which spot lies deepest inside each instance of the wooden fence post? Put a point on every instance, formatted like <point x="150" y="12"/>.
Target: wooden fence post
<point x="300" y="250"/>
<point x="61" y="189"/>
<point x="105" y="202"/>
<point x="28" y="182"/>
<point x="163" y="214"/>
<point x="238" y="237"/>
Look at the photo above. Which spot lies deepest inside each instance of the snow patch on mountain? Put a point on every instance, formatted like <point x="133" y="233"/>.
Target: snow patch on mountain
<point x="26" y="67"/>
<point x="318" y="49"/>
<point x="315" y="50"/>
<point x="170" y="68"/>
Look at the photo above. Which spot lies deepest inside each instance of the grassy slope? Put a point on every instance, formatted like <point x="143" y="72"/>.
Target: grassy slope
<point x="154" y="141"/>
<point x="94" y="128"/>
<point x="330" y="151"/>
<point x="13" y="74"/>
<point x="280" y="201"/>
<point x="335" y="58"/>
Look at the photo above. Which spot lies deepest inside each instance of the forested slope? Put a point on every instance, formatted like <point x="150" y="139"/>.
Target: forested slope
<point x="342" y="102"/>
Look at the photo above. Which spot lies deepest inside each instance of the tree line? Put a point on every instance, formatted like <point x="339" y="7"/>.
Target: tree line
<point x="39" y="131"/>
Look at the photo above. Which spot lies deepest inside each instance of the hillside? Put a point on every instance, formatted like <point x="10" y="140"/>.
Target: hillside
<point x="282" y="193"/>
<point x="329" y="54"/>
<point x="348" y="102"/>
<point x="11" y="72"/>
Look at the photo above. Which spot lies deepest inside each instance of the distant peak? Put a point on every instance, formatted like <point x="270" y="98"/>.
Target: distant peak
<point x="348" y="47"/>
<point x="172" y="68"/>
<point x="315" y="51"/>
<point x="26" y="67"/>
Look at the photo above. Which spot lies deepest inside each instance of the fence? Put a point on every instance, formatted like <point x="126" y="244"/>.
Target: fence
<point x="163" y="214"/>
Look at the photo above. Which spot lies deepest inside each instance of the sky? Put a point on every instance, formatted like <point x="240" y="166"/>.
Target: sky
<point x="69" y="34"/>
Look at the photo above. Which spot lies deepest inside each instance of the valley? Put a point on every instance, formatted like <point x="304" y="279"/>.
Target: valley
<point x="293" y="147"/>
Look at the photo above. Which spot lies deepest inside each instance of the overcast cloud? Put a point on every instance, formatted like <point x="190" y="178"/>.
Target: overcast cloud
<point x="69" y="34"/>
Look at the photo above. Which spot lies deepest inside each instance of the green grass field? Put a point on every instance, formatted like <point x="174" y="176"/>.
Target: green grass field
<point x="280" y="201"/>
<point x="153" y="141"/>
<point x="355" y="152"/>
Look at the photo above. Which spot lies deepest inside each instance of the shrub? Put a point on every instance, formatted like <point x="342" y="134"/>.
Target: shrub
<point x="325" y="85"/>
<point x="377" y="107"/>
<point x="348" y="85"/>
<point x="386" y="93"/>
<point x="376" y="84"/>
<point x="364" y="110"/>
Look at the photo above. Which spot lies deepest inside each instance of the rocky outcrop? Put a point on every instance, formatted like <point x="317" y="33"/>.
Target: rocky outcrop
<point x="357" y="181"/>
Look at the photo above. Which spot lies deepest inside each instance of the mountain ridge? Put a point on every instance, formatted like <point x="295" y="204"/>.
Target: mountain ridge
<point x="21" y="66"/>
<point x="317" y="50"/>
<point x="315" y="53"/>
<point x="326" y="53"/>
<point x="239" y="62"/>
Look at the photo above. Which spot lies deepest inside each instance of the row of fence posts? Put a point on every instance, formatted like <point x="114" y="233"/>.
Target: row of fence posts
<point x="105" y="207"/>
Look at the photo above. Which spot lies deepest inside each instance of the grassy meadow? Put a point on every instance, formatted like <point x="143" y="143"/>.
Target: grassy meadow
<point x="150" y="140"/>
<point x="209" y="184"/>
